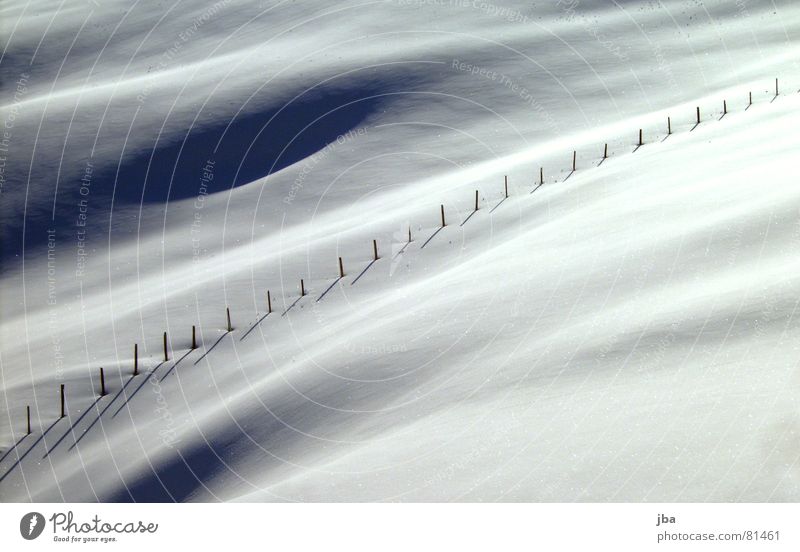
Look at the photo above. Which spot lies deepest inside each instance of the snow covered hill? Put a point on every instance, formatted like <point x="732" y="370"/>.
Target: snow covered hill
<point x="624" y="332"/>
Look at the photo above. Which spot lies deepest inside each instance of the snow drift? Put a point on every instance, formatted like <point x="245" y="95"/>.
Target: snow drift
<point x="624" y="331"/>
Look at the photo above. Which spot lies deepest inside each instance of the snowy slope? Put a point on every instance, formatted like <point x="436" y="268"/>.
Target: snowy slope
<point x="624" y="332"/>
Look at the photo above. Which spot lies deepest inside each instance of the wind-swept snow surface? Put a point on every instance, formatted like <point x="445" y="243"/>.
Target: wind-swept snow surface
<point x="626" y="331"/>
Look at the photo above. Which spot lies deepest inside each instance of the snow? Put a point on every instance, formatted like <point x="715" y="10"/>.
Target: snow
<point x="623" y="333"/>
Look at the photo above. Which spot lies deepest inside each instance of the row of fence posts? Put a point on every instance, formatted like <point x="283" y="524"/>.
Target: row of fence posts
<point x="374" y="256"/>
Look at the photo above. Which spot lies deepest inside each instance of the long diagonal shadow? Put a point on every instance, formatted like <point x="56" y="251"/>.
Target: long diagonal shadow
<point x="71" y="429"/>
<point x="100" y="414"/>
<point x="324" y="293"/>
<point x="401" y="250"/>
<point x="499" y="204"/>
<point x="372" y="262"/>
<point x="468" y="217"/>
<point x="196" y="362"/>
<point x="292" y="306"/>
<point x="174" y="365"/>
<point x="537" y="187"/>
<point x="432" y="236"/>
<point x="33" y="446"/>
<point x="694" y="127"/>
<point x="15" y="445"/>
<point x="570" y="174"/>
<point x="129" y="397"/>
<point x="253" y="327"/>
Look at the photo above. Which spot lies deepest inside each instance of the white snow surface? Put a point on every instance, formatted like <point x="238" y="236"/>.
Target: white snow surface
<point x="625" y="332"/>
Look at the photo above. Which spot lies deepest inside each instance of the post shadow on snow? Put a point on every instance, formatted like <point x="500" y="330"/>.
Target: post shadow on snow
<point x="177" y="479"/>
<point x="330" y="287"/>
<point x="501" y="202"/>
<point x="71" y="429"/>
<point x="186" y="354"/>
<point x="253" y="327"/>
<point x="434" y="234"/>
<point x="402" y="249"/>
<point x="14" y="446"/>
<point x="144" y="380"/>
<point x="100" y="413"/>
<point x="27" y="452"/>
<point x="291" y="306"/>
<point x="205" y="354"/>
<point x="210" y="157"/>
<point x="372" y="262"/>
<point x="468" y="217"/>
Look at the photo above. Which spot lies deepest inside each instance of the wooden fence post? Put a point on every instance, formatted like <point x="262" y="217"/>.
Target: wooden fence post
<point x="443" y="223"/>
<point x="135" y="359"/>
<point x="228" y="313"/>
<point x="166" y="356"/>
<point x="476" y="200"/>
<point x="302" y="288"/>
<point x="605" y="151"/>
<point x="375" y="249"/>
<point x="28" y="409"/>
<point x="269" y="303"/>
<point x="574" y="157"/>
<point x="698" y="115"/>
<point x="541" y="176"/>
<point x="63" y="402"/>
<point x="750" y="98"/>
<point x="505" y="184"/>
<point x="776" y="87"/>
<point x="640" y="137"/>
<point x="194" y="338"/>
<point x="669" y="126"/>
<point x="102" y="383"/>
<point x="724" y="107"/>
<point x="409" y="233"/>
<point x="341" y="268"/>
